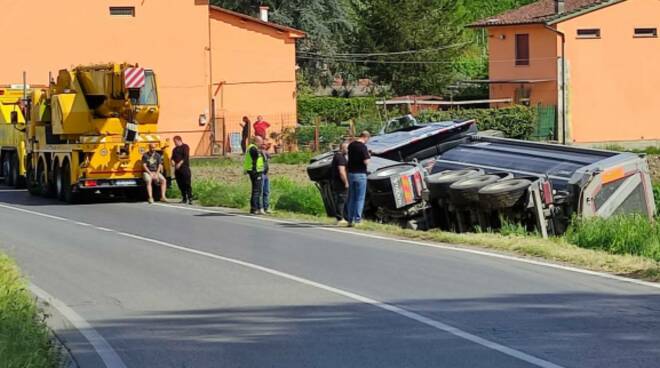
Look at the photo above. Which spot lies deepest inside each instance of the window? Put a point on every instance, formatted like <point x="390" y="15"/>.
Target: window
<point x="522" y="49"/>
<point x="646" y="32"/>
<point x="588" y="33"/>
<point x="122" y="11"/>
<point x="148" y="95"/>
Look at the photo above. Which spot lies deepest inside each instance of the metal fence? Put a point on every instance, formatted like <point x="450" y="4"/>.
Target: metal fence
<point x="545" y="128"/>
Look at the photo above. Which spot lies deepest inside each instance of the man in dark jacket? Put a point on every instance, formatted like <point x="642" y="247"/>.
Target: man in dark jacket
<point x="254" y="166"/>
<point x="339" y="183"/>
<point x="181" y="165"/>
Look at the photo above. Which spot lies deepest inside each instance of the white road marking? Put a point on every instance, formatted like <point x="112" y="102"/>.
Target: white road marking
<point x="347" y="294"/>
<point x="100" y="345"/>
<point x="440" y="246"/>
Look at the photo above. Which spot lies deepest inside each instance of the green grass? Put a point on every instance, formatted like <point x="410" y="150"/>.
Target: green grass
<point x="214" y="162"/>
<point x="632" y="234"/>
<point x="24" y="338"/>
<point x="292" y="158"/>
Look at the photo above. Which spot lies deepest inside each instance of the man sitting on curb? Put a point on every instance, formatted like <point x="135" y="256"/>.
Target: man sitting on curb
<point x="254" y="166"/>
<point x="152" y="163"/>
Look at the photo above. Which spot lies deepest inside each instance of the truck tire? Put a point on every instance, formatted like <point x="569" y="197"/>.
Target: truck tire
<point x="8" y="168"/>
<point x="17" y="179"/>
<point x="438" y="184"/>
<point x="44" y="185"/>
<point x="67" y="194"/>
<point x="503" y="194"/>
<point x="320" y="169"/>
<point x="465" y="192"/>
<point x="30" y="180"/>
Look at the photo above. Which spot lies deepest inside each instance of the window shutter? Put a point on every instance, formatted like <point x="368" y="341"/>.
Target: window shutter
<point x="522" y="49"/>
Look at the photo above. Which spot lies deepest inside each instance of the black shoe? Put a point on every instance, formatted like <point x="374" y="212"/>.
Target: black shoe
<point x="183" y="201"/>
<point x="190" y="202"/>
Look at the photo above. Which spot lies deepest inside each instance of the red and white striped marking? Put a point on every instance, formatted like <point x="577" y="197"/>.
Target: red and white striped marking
<point x="134" y="78"/>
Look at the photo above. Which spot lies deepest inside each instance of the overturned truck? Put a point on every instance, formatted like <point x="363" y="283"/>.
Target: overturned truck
<point x="448" y="175"/>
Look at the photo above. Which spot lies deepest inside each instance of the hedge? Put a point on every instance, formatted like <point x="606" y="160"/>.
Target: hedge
<point x="515" y="122"/>
<point x="334" y="109"/>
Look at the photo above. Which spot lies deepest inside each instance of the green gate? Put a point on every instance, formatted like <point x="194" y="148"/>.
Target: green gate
<point x="546" y="123"/>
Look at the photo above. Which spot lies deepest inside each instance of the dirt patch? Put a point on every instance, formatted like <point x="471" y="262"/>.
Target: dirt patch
<point x="654" y="167"/>
<point x="234" y="173"/>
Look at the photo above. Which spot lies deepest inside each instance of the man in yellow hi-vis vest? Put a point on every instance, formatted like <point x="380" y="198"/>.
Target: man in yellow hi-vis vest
<point x="254" y="166"/>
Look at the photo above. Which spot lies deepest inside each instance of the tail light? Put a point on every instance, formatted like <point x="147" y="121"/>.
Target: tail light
<point x="546" y="187"/>
<point x="91" y="183"/>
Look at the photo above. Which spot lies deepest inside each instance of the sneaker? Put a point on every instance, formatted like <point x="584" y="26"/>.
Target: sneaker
<point x="150" y="200"/>
<point x="254" y="212"/>
<point x="262" y="212"/>
<point x="350" y="224"/>
<point x="342" y="223"/>
<point x="164" y="200"/>
<point x="268" y="212"/>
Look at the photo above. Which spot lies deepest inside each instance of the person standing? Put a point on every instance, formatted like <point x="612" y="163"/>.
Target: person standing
<point x="339" y="183"/>
<point x="265" y="190"/>
<point x="358" y="159"/>
<point x="261" y="127"/>
<point x="152" y="164"/>
<point x="181" y="165"/>
<point x="245" y="133"/>
<point x="254" y="166"/>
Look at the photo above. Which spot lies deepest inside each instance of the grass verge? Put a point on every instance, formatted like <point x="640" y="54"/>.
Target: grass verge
<point x="24" y="337"/>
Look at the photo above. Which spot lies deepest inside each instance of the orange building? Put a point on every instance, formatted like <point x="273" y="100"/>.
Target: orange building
<point x="204" y="56"/>
<point x="596" y="60"/>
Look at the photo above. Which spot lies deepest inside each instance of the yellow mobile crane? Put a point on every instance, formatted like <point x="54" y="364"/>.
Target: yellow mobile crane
<point x="12" y="134"/>
<point x="88" y="131"/>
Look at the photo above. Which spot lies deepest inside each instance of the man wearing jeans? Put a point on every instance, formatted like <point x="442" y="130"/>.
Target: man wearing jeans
<point x="358" y="158"/>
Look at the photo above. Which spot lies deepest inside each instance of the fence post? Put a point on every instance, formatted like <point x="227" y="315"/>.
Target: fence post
<point x="316" y="134"/>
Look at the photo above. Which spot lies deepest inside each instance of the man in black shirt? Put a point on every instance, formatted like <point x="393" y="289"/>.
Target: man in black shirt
<point x="339" y="183"/>
<point x="181" y="165"/>
<point x="358" y="159"/>
<point x="245" y="133"/>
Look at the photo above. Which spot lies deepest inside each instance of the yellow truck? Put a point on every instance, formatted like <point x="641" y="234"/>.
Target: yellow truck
<point x="88" y="130"/>
<point x="12" y="134"/>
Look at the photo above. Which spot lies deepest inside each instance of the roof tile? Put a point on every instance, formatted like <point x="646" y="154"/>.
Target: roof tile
<point x="538" y="12"/>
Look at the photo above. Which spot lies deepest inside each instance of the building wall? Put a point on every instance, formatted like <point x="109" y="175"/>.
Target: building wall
<point x="169" y="36"/>
<point x="613" y="81"/>
<point x="253" y="73"/>
<point x="542" y="65"/>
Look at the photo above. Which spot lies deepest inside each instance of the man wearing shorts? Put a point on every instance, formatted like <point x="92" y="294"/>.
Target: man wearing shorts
<point x="152" y="163"/>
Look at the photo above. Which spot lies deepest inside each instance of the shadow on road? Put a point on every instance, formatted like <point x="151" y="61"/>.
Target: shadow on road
<point x="573" y="330"/>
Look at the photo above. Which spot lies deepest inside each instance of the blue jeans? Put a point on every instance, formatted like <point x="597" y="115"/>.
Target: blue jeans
<point x="357" y="191"/>
<point x="265" y="191"/>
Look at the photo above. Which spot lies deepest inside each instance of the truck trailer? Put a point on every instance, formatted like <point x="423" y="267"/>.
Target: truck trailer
<point x="87" y="131"/>
<point x="447" y="175"/>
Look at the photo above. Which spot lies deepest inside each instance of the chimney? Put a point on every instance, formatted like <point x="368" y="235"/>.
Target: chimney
<point x="559" y="6"/>
<point x="263" y="13"/>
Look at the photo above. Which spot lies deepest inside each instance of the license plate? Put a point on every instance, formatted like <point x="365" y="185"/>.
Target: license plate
<point x="126" y="182"/>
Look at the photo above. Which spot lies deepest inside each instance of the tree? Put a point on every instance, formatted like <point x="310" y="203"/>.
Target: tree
<point x="435" y="28"/>
<point x="326" y="22"/>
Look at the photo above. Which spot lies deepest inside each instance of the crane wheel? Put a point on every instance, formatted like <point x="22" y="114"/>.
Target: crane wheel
<point x="64" y="177"/>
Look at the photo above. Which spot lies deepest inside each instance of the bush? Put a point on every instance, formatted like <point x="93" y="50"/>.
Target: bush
<point x="24" y="337"/>
<point x="334" y="109"/>
<point x="328" y="134"/>
<point x="628" y="234"/>
<point x="293" y="197"/>
<point x="219" y="194"/>
<point x="515" y="122"/>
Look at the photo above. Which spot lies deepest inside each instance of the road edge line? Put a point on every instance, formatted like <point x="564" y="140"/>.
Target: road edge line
<point x="101" y="346"/>
<point x="99" y="342"/>
<point x="443" y="246"/>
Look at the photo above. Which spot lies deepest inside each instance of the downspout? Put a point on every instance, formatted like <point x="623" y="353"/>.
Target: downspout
<point x="563" y="80"/>
<point x="211" y="98"/>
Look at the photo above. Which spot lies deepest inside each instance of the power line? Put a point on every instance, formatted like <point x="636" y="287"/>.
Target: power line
<point x="412" y="62"/>
<point x="393" y="53"/>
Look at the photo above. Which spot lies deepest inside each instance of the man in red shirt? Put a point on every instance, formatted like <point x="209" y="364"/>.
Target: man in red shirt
<point x="260" y="127"/>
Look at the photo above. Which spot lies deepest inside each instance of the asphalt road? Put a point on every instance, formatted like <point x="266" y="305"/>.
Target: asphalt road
<point x="171" y="287"/>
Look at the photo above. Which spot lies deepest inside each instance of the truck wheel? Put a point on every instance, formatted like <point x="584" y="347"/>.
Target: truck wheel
<point x="64" y="176"/>
<point x="30" y="180"/>
<point x="45" y="188"/>
<point x="8" y="169"/>
<point x="438" y="184"/>
<point x="320" y="169"/>
<point x="17" y="179"/>
<point x="503" y="194"/>
<point x="465" y="192"/>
